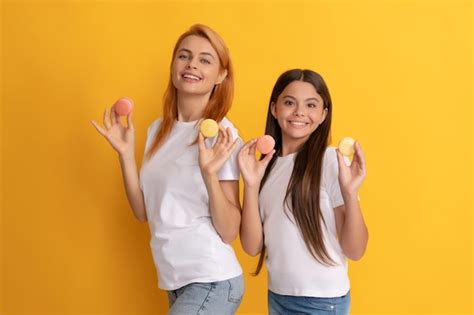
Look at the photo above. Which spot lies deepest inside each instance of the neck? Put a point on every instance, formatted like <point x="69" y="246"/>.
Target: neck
<point x="191" y="106"/>
<point x="291" y="145"/>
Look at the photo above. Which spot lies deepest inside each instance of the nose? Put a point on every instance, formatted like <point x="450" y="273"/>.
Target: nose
<point x="299" y="111"/>
<point x="191" y="64"/>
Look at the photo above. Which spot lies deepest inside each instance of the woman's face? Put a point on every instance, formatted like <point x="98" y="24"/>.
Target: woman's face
<point x="196" y="67"/>
<point x="299" y="110"/>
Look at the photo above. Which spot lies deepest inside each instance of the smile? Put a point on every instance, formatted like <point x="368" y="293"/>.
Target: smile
<point x="298" y="124"/>
<point x="190" y="77"/>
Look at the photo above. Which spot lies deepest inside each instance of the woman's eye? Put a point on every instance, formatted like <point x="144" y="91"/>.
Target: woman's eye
<point x="311" y="105"/>
<point x="182" y="57"/>
<point x="288" y="103"/>
<point x="205" y="61"/>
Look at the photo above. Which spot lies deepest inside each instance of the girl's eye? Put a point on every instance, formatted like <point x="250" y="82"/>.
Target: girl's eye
<point x="288" y="102"/>
<point x="205" y="61"/>
<point x="182" y="57"/>
<point x="311" y="105"/>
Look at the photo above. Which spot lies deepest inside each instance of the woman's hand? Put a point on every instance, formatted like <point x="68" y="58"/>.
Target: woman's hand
<point x="351" y="177"/>
<point x="212" y="159"/>
<point x="120" y="137"/>
<point x="252" y="169"/>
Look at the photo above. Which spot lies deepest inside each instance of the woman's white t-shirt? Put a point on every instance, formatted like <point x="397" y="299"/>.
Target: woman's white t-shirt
<point x="185" y="245"/>
<point x="292" y="270"/>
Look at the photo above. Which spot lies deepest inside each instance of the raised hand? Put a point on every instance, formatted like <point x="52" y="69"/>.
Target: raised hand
<point x="212" y="159"/>
<point x="252" y="169"/>
<point x="121" y="138"/>
<point x="351" y="177"/>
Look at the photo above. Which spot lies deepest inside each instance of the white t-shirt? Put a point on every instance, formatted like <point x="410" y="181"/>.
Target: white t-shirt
<point x="185" y="245"/>
<point x="292" y="270"/>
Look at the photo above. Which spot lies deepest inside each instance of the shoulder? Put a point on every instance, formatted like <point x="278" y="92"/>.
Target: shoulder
<point x="153" y="127"/>
<point x="330" y="156"/>
<point x="329" y="166"/>
<point x="331" y="163"/>
<point x="226" y="123"/>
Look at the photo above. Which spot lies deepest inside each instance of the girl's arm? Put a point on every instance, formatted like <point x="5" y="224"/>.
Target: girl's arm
<point x="350" y="224"/>
<point x="351" y="228"/>
<point x="251" y="229"/>
<point x="122" y="140"/>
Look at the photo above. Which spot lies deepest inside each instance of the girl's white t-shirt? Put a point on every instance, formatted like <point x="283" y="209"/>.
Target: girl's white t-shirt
<point x="185" y="245"/>
<point x="292" y="270"/>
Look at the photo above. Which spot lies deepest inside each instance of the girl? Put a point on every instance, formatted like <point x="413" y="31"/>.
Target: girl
<point x="301" y="202"/>
<point x="187" y="188"/>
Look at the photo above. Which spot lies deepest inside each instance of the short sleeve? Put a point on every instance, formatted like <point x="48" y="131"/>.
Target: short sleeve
<point x="150" y="135"/>
<point x="230" y="169"/>
<point x="151" y="132"/>
<point x="331" y="177"/>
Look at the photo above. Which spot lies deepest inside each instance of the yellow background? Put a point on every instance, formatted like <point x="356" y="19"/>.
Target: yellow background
<point x="400" y="74"/>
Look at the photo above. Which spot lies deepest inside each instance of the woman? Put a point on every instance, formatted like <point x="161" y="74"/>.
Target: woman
<point x="187" y="188"/>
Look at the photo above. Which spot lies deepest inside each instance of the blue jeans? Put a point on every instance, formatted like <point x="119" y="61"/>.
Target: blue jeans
<point x="220" y="297"/>
<point x="293" y="305"/>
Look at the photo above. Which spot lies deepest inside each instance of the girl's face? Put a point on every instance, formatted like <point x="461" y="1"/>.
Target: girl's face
<point x="196" y="67"/>
<point x="299" y="110"/>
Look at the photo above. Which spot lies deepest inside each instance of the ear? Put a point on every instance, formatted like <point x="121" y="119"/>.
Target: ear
<point x="221" y="77"/>
<point x="325" y="113"/>
<point x="273" y="109"/>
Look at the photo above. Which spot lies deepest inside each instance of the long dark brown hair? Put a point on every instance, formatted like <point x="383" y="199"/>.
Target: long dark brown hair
<point x="302" y="193"/>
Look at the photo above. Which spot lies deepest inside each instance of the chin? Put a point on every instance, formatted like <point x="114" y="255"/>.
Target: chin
<point x="300" y="137"/>
<point x="297" y="134"/>
<point x="187" y="89"/>
<point x="190" y="89"/>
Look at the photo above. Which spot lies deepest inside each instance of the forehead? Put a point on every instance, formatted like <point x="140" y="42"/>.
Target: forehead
<point x="197" y="45"/>
<point x="300" y="90"/>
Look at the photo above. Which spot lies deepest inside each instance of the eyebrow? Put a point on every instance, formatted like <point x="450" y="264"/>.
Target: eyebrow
<point x="308" y="99"/>
<point x="202" y="53"/>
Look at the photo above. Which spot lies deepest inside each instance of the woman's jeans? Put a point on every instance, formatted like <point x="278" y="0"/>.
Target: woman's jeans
<point x="212" y="298"/>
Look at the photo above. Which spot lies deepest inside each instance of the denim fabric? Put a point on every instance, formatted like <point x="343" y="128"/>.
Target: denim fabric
<point x="212" y="298"/>
<point x="299" y="305"/>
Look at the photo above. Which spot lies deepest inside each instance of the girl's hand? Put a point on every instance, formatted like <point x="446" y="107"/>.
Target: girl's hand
<point x="212" y="159"/>
<point x="351" y="177"/>
<point x="120" y="137"/>
<point x="252" y="169"/>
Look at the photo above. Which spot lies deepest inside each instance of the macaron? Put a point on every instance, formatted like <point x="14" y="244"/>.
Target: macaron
<point x="346" y="146"/>
<point x="209" y="128"/>
<point x="265" y="144"/>
<point x="123" y="106"/>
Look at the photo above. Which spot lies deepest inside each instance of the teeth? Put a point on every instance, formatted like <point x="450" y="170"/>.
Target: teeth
<point x="192" y="77"/>
<point x="297" y="123"/>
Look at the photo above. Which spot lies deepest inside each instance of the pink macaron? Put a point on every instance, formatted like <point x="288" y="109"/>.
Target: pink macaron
<point x="265" y="144"/>
<point x="123" y="106"/>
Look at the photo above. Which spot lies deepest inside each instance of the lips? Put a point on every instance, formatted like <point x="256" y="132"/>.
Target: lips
<point x="190" y="77"/>
<point x="298" y="124"/>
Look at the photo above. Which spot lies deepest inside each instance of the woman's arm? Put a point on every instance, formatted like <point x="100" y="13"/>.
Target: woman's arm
<point x="122" y="140"/>
<point x="131" y="183"/>
<point x="224" y="206"/>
